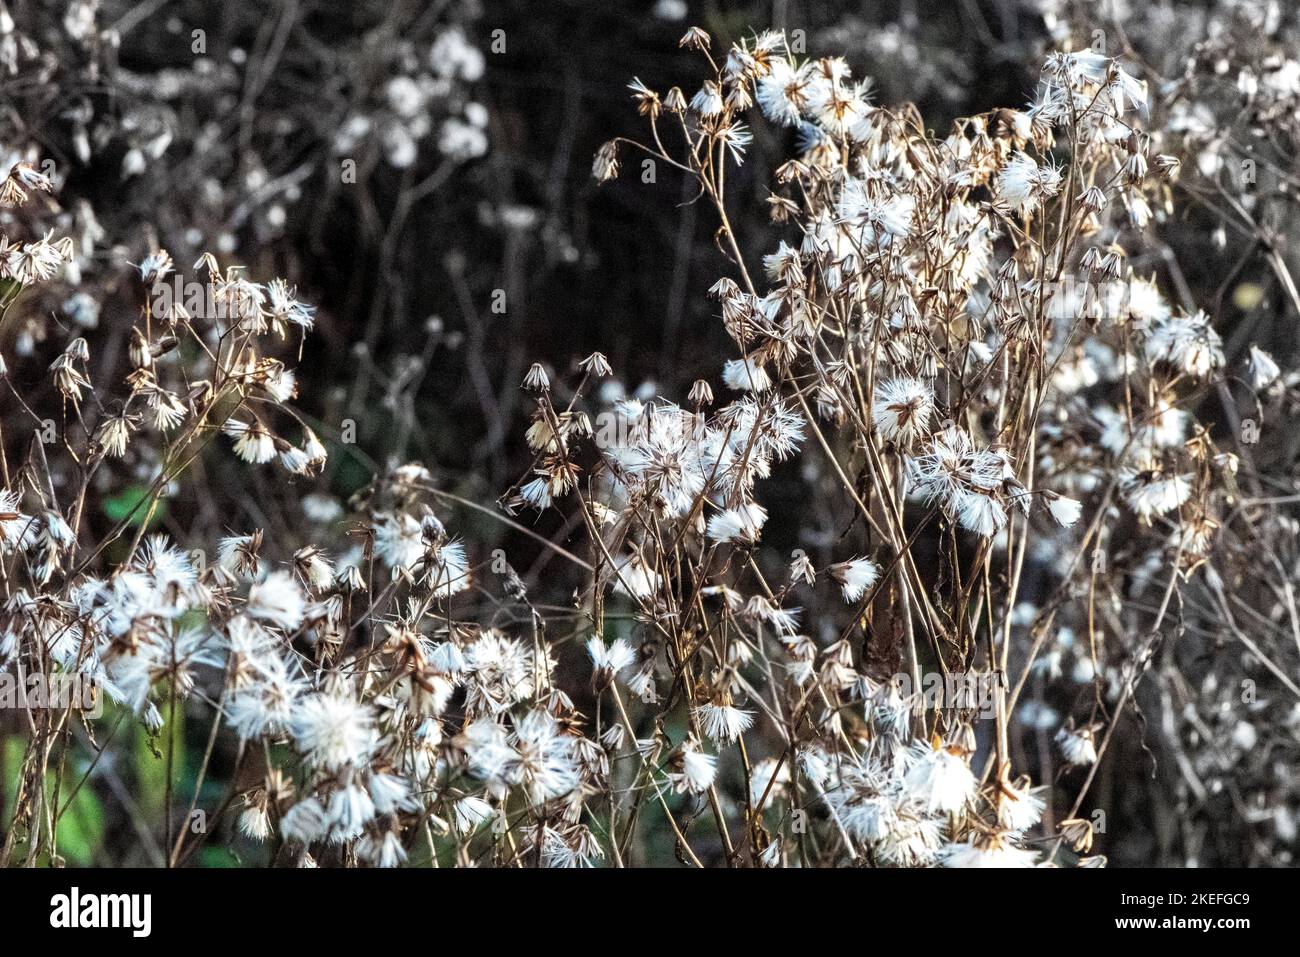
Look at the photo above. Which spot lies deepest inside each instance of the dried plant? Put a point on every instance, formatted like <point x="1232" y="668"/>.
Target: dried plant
<point x="1028" y="515"/>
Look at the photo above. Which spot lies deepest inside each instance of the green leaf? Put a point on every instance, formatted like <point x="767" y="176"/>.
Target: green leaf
<point x="13" y="762"/>
<point x="133" y="500"/>
<point x="81" y="828"/>
<point x="217" y="857"/>
<point x="151" y="762"/>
